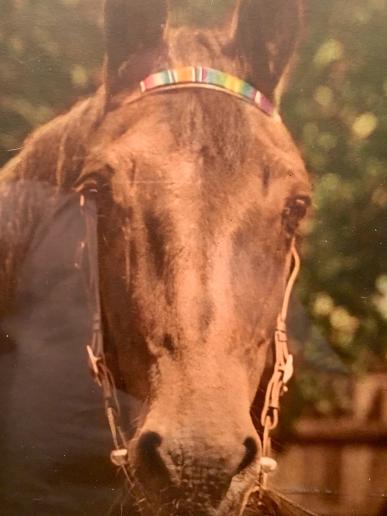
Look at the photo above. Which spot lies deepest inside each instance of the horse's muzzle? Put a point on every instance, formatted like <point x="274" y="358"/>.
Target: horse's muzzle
<point x="190" y="476"/>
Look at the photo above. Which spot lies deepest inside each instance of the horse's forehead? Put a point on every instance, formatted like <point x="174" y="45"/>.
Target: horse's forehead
<point x="166" y="141"/>
<point x="165" y="123"/>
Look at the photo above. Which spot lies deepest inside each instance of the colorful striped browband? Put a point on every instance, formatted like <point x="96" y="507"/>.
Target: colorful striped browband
<point x="196" y="75"/>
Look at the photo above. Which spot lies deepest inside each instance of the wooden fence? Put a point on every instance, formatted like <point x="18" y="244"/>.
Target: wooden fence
<point x="339" y="467"/>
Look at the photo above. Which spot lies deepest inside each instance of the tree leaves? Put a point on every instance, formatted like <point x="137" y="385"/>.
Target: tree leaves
<point x="340" y="123"/>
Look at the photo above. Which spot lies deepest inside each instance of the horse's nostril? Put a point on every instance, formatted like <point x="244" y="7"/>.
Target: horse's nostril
<point x="251" y="447"/>
<point x="148" y="444"/>
<point x="148" y="448"/>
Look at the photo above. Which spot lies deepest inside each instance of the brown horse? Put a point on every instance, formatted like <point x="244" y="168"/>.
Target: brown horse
<point x="199" y="197"/>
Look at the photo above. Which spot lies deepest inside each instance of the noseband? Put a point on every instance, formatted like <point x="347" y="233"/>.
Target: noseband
<point x="203" y="78"/>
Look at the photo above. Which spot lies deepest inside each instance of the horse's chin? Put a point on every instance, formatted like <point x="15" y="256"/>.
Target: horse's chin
<point x="233" y="504"/>
<point x="239" y="492"/>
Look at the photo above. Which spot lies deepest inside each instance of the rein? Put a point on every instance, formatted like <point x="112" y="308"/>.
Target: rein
<point x="187" y="77"/>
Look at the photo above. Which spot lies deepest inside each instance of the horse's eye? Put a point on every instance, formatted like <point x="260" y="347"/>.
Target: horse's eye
<point x="96" y="181"/>
<point x="294" y="212"/>
<point x="90" y="186"/>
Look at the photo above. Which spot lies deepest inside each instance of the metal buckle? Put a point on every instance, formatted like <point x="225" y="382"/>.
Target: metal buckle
<point x="288" y="369"/>
<point x="94" y="362"/>
<point x="119" y="457"/>
<point x="268" y="465"/>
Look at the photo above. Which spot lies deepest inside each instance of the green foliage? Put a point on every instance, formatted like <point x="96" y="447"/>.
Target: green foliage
<point x="336" y="110"/>
<point x="51" y="53"/>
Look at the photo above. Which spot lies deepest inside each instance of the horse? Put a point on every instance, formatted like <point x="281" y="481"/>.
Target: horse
<point x="193" y="192"/>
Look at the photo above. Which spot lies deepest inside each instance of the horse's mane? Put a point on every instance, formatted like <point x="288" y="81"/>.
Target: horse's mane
<point x="55" y="153"/>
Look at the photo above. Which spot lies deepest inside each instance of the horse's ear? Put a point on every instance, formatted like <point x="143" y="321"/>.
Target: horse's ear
<point x="266" y="35"/>
<point x="133" y="29"/>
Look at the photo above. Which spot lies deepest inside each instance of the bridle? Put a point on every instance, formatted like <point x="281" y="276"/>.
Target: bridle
<point x="187" y="77"/>
<point x="282" y="373"/>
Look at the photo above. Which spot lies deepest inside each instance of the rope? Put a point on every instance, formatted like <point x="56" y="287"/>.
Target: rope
<point x="277" y="386"/>
<point x="291" y="281"/>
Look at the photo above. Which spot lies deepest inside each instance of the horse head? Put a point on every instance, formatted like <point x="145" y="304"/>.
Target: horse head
<point x="199" y="197"/>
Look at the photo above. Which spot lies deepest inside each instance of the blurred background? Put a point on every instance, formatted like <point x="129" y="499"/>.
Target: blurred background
<point x="51" y="54"/>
